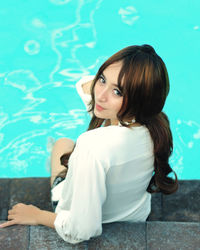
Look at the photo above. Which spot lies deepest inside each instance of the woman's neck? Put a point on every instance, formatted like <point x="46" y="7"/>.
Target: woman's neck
<point x="109" y="122"/>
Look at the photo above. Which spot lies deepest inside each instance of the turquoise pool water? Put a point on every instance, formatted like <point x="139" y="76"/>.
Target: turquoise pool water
<point x="46" y="46"/>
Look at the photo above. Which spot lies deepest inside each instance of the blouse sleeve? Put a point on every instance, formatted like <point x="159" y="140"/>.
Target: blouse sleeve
<point x="86" y="98"/>
<point x="84" y="218"/>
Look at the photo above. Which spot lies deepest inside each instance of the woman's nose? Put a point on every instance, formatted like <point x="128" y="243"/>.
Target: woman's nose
<point x="103" y="95"/>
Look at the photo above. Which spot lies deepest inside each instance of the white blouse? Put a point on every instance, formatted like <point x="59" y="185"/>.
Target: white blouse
<point x="109" y="172"/>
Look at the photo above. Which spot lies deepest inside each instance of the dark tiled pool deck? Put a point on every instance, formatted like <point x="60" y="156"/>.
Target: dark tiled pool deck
<point x="174" y="222"/>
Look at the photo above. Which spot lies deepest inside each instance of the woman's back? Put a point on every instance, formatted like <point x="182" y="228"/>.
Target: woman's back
<point x="126" y="155"/>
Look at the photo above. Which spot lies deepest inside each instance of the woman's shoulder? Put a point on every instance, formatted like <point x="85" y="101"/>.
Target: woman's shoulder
<point x="111" y="137"/>
<point x="101" y="132"/>
<point x="113" y="129"/>
<point x="110" y="131"/>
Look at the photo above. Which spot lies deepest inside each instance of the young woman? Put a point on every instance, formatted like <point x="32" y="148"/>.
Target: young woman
<point x="123" y="157"/>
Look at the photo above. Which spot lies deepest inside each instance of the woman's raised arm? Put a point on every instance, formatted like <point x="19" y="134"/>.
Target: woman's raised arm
<point x="87" y="87"/>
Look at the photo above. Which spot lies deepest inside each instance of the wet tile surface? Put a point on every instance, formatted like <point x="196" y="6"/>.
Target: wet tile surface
<point x="4" y="197"/>
<point x="154" y="234"/>
<point x="173" y="235"/>
<point x="181" y="206"/>
<point x="156" y="207"/>
<point x="14" y="237"/>
<point x="117" y="236"/>
<point x="35" y="191"/>
<point x="47" y="238"/>
<point x="184" y="205"/>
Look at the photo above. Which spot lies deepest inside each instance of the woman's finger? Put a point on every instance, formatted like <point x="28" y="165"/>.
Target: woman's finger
<point x="17" y="205"/>
<point x="11" y="217"/>
<point x="7" y="224"/>
<point x="11" y="211"/>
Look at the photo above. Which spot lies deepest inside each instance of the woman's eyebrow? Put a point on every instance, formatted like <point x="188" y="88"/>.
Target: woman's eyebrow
<point x="103" y="75"/>
<point x="114" y="84"/>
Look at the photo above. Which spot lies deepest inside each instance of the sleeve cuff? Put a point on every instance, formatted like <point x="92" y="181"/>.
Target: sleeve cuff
<point x="86" y="98"/>
<point x="61" y="218"/>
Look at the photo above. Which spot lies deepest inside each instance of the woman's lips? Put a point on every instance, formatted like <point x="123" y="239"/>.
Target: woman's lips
<point x="99" y="108"/>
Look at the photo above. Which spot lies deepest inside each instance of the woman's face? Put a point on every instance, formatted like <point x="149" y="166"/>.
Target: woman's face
<point x="108" y="98"/>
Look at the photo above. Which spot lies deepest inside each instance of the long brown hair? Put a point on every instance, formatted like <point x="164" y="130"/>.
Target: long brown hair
<point x="144" y="83"/>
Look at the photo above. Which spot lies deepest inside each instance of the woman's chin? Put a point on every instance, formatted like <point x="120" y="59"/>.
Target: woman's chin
<point x="98" y="114"/>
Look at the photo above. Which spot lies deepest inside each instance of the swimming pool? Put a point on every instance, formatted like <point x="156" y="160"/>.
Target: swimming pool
<point x="48" y="45"/>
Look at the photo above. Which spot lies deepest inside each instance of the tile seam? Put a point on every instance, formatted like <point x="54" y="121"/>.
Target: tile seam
<point x="9" y="186"/>
<point x="9" y="202"/>
<point x="29" y="236"/>
<point x="146" y="246"/>
<point x="162" y="212"/>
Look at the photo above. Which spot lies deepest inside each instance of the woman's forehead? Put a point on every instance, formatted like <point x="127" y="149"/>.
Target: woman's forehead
<point x="112" y="72"/>
<point x="114" y="66"/>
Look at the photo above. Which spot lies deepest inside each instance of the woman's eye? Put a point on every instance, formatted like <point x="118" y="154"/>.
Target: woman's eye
<point x="117" y="92"/>
<point x="101" y="79"/>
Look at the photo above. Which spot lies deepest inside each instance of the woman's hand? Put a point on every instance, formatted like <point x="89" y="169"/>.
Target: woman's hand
<point x="22" y="214"/>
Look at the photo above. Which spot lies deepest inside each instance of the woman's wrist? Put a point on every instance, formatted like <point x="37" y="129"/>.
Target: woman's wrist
<point x="46" y="218"/>
<point x="38" y="217"/>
